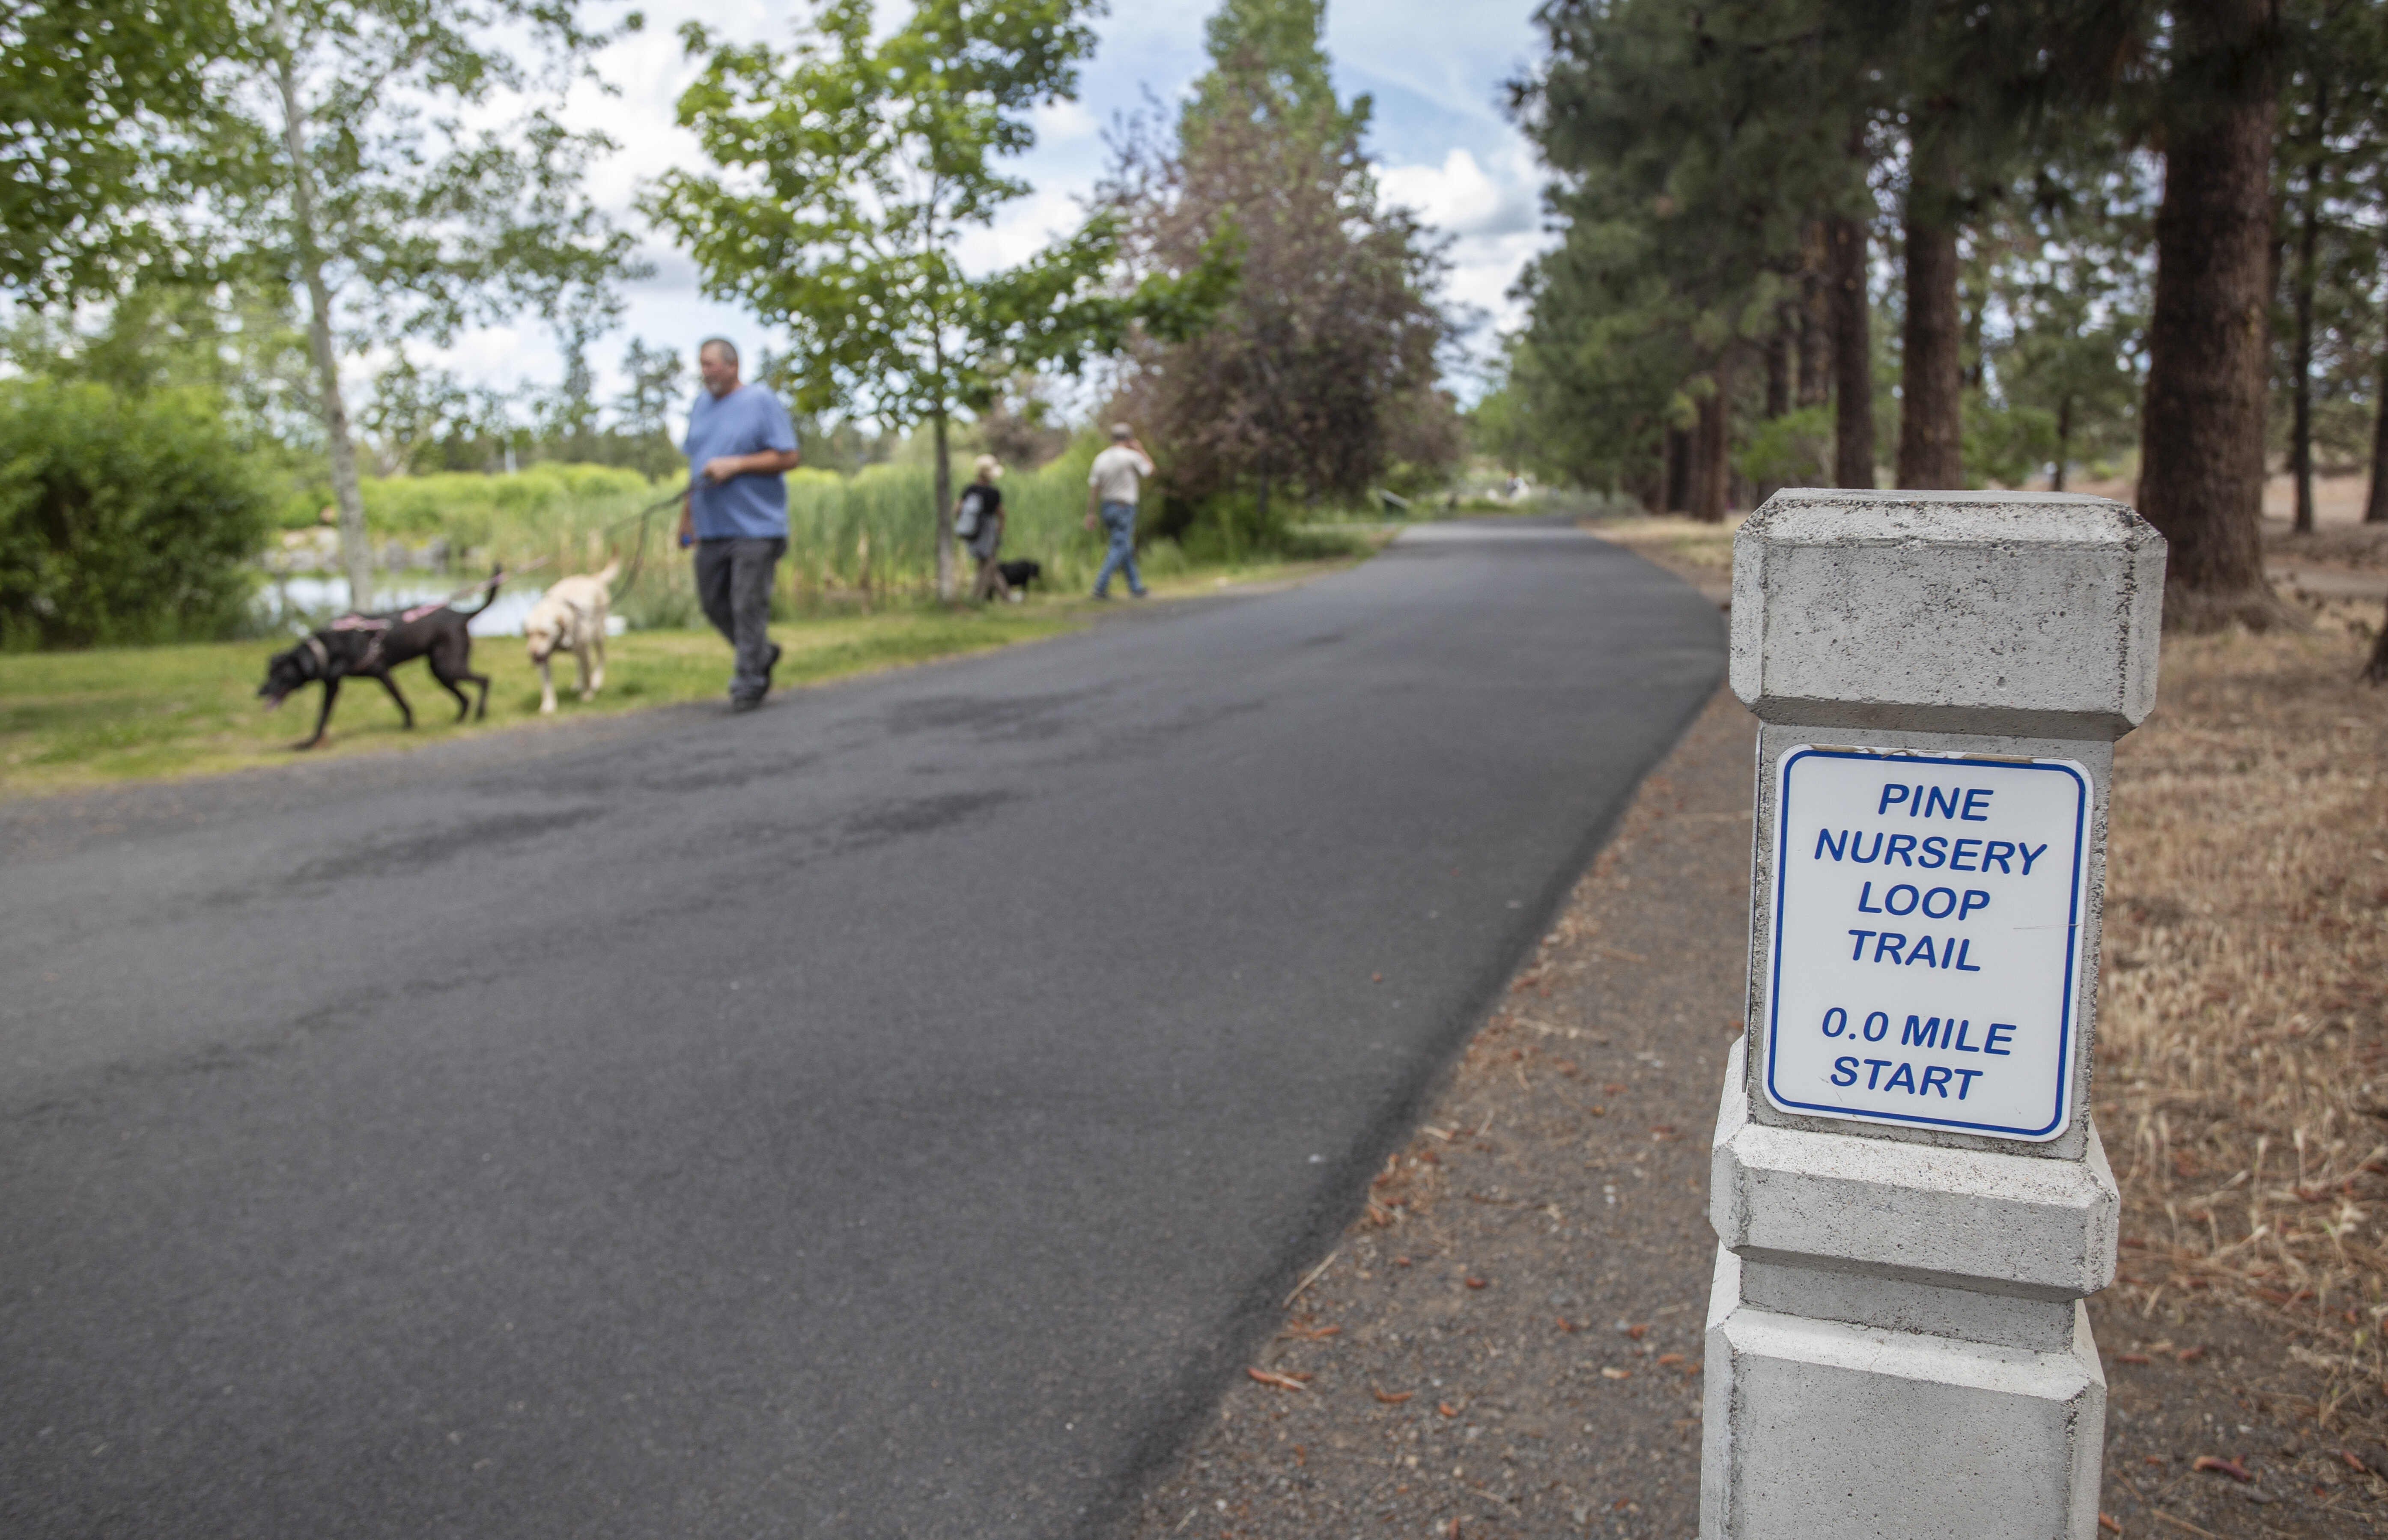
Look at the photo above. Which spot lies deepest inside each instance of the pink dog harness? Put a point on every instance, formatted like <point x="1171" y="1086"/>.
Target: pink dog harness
<point x="379" y="625"/>
<point x="352" y="621"/>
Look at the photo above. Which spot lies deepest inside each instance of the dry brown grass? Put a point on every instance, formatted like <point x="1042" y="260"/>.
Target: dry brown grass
<point x="2243" y="1051"/>
<point x="1690" y="546"/>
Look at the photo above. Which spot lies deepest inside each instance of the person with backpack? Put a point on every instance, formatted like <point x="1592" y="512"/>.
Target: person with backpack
<point x="978" y="524"/>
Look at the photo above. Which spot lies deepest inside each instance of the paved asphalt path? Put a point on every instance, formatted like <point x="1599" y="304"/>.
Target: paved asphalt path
<point x="890" y="1114"/>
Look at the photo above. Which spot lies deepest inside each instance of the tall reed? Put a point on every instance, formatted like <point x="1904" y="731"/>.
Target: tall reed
<point x="863" y="539"/>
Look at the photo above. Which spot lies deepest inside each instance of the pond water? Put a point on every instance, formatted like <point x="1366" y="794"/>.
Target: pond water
<point x="300" y="602"/>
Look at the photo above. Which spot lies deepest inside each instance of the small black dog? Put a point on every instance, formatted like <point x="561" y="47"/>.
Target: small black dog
<point x="1020" y="573"/>
<point x="373" y="645"/>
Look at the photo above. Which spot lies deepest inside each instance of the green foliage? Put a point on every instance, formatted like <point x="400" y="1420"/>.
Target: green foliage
<point x="398" y="149"/>
<point x="641" y="427"/>
<point x="2330" y="326"/>
<point x="870" y="160"/>
<point x="863" y="534"/>
<point x="1275" y="45"/>
<point x="858" y="164"/>
<point x="104" y="137"/>
<point x="1314" y="381"/>
<point x="474" y="510"/>
<point x="1694" y="155"/>
<point x="124" y="519"/>
<point x="1795" y="450"/>
<point x="1498" y="428"/>
<point x="423" y="420"/>
<point x="426" y="421"/>
<point x="849" y="537"/>
<point x="862" y="163"/>
<point x="238" y="342"/>
<point x="2005" y="445"/>
<point x="398" y="163"/>
<point x="1696" y="160"/>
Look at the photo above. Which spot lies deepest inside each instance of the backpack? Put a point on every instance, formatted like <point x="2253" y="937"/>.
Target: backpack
<point x="966" y="517"/>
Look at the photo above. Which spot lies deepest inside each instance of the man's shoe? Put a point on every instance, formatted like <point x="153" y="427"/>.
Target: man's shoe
<point x="744" y="703"/>
<point x="1139" y="594"/>
<point x="1099" y="593"/>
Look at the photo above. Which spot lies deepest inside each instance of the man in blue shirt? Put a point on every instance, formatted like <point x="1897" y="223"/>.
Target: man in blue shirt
<point x="740" y="447"/>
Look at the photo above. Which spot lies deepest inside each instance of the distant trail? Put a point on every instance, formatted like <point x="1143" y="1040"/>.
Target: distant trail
<point x="885" y="1115"/>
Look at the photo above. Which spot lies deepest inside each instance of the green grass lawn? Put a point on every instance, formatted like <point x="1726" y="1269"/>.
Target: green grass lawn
<point x="69" y="721"/>
<point x="74" y="719"/>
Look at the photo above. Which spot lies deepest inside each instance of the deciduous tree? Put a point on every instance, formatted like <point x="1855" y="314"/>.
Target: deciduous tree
<point x="375" y="183"/>
<point x="109" y="124"/>
<point x="1318" y="374"/>
<point x="856" y="165"/>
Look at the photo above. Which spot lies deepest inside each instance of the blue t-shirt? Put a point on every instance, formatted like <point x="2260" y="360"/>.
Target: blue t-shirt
<point x="747" y="421"/>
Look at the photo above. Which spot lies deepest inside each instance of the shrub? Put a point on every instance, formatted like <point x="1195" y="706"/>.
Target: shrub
<point x="123" y="518"/>
<point x="2003" y="446"/>
<point x="1795" y="450"/>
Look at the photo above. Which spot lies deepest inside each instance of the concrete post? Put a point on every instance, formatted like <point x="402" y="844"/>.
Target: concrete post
<point x="1909" y="1199"/>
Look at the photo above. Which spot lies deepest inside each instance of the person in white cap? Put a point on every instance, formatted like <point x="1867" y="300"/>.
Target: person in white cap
<point x="1110" y="498"/>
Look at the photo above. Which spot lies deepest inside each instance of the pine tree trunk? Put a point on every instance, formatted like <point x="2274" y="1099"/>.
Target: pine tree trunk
<point x="1852" y="348"/>
<point x="2301" y="388"/>
<point x="1678" y="497"/>
<point x="945" y="494"/>
<point x="2202" y="433"/>
<point x="2375" y="507"/>
<point x="1712" y="467"/>
<point x="2064" y="442"/>
<point x="356" y="551"/>
<point x="1931" y="369"/>
<point x="1778" y="366"/>
<point x="1778" y="386"/>
<point x="1815" y="322"/>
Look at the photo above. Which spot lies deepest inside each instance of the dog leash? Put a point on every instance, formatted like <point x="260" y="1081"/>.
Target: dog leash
<point x="642" y="518"/>
<point x="639" y="554"/>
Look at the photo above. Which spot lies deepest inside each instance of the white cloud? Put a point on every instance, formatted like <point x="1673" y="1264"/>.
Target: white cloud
<point x="1023" y="229"/>
<point x="1459" y="198"/>
<point x="1064" y="122"/>
<point x="1493" y="215"/>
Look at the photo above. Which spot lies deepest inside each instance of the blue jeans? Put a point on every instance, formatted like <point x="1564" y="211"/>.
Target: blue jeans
<point x="1119" y="518"/>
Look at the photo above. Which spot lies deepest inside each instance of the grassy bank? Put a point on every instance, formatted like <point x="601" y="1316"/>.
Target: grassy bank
<point x="69" y="721"/>
<point x="76" y="719"/>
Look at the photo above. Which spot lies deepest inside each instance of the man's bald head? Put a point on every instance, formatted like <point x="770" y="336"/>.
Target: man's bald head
<point x="717" y="364"/>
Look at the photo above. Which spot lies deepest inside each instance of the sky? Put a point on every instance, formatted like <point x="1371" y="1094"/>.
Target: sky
<point x="1442" y="145"/>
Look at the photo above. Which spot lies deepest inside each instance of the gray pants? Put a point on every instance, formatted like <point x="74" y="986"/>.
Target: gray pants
<point x="733" y="583"/>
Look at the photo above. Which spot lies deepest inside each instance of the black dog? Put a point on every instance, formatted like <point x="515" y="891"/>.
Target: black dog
<point x="373" y="645"/>
<point x="1020" y="573"/>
